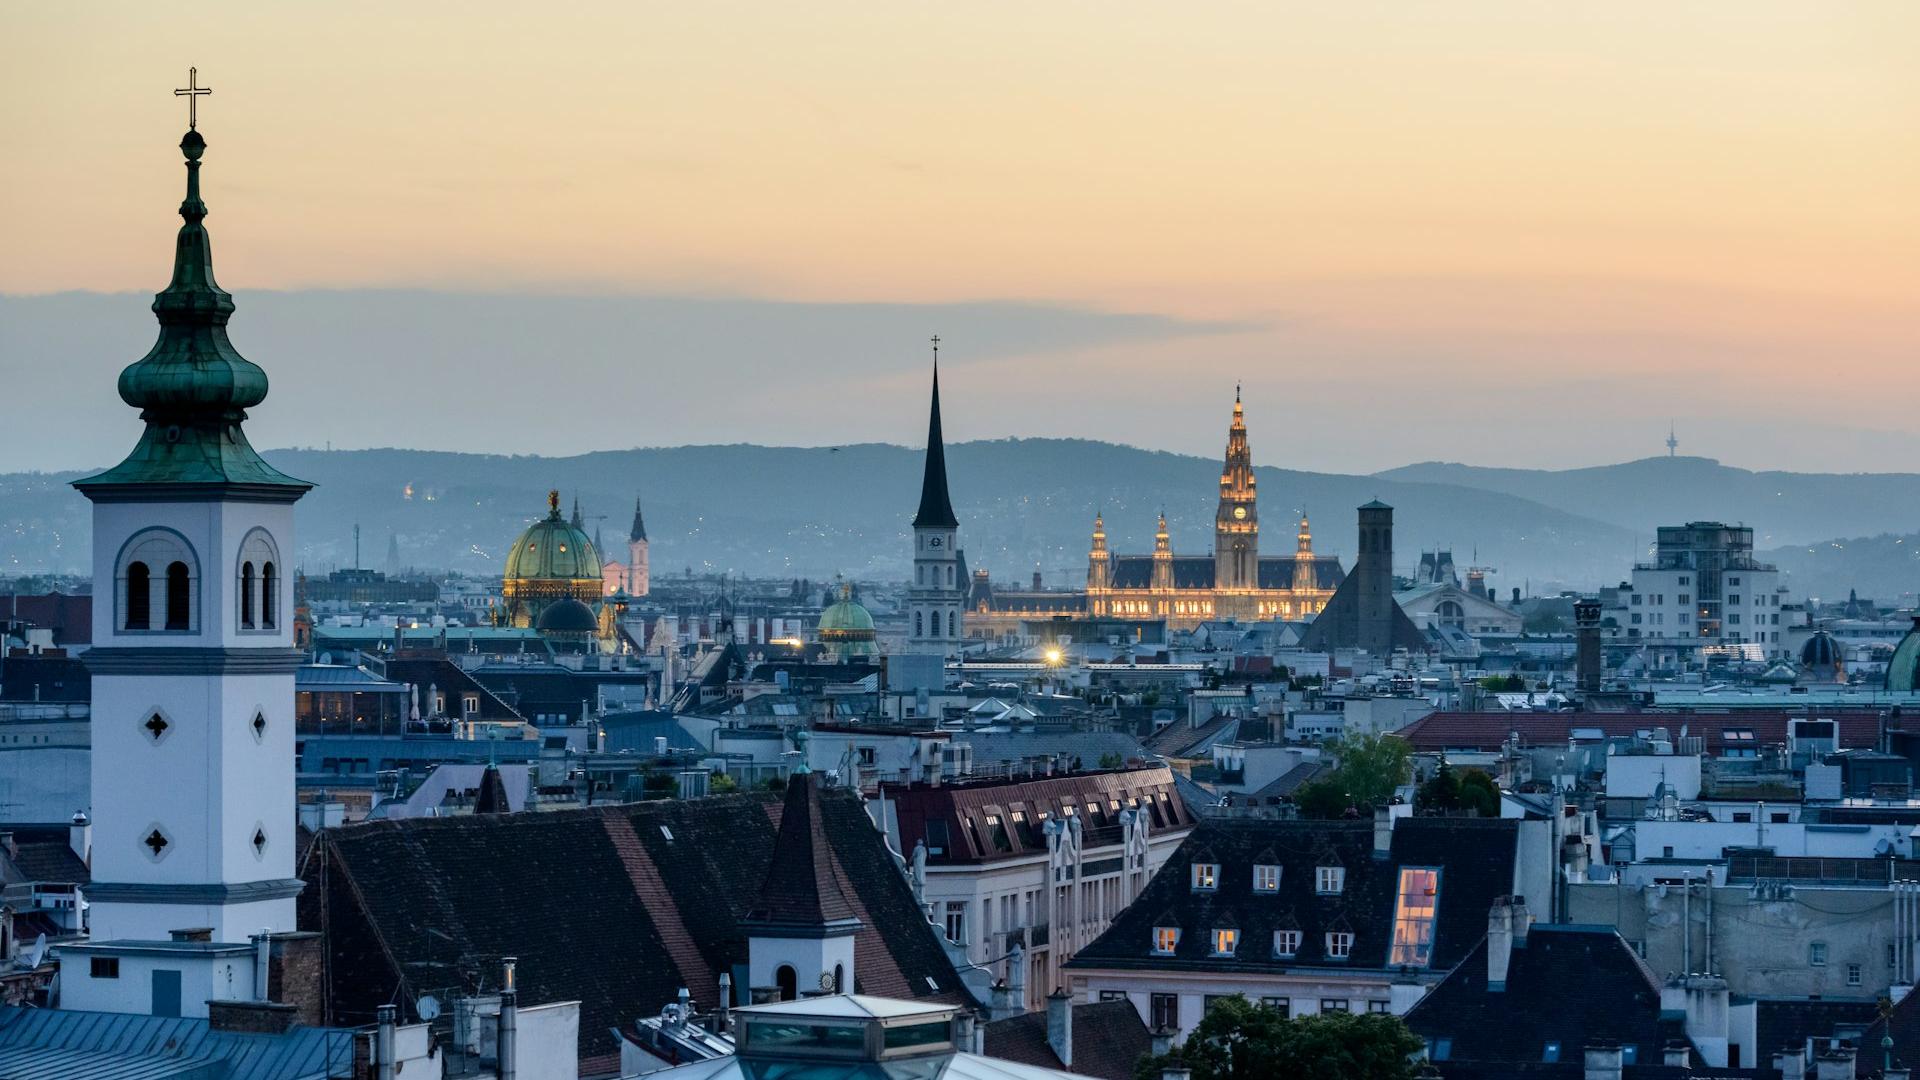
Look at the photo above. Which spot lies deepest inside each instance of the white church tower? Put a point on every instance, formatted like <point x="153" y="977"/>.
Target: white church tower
<point x="193" y="656"/>
<point x="939" y="586"/>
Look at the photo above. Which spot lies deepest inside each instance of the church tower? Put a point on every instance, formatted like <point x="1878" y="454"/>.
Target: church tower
<point x="1099" y="559"/>
<point x="639" y="581"/>
<point x="937" y="593"/>
<point x="1162" y="580"/>
<point x="193" y="629"/>
<point x="1236" y="526"/>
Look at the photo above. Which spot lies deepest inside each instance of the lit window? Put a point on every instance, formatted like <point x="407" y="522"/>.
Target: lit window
<point x="1225" y="941"/>
<point x="1286" y="943"/>
<point x="1165" y="939"/>
<point x="1266" y="878"/>
<point x="1413" y="916"/>
<point x="1206" y="876"/>
<point x="1339" y="945"/>
<point x="1332" y="879"/>
<point x="1551" y="1052"/>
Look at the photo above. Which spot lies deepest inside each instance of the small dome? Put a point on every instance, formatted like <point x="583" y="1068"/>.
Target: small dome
<point x="1820" y="651"/>
<point x="1903" y="671"/>
<point x="553" y="549"/>
<point x="846" y="615"/>
<point x="846" y="629"/>
<point x="568" y="617"/>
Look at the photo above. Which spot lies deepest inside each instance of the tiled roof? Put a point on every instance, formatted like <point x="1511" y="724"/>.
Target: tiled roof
<point x="49" y="862"/>
<point x="1109" y="1039"/>
<point x="1568" y="985"/>
<point x="801" y="888"/>
<point x="1488" y="730"/>
<point x="958" y="819"/>
<point x="1476" y="858"/>
<point x="1782" y="1022"/>
<point x="617" y="907"/>
<point x="69" y="617"/>
<point x="1181" y="739"/>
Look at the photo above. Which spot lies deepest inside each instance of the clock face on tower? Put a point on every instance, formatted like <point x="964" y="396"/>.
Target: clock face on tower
<point x="933" y="541"/>
<point x="1239" y="513"/>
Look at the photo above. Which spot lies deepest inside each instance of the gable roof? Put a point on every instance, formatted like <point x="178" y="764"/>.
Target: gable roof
<point x="1109" y="1039"/>
<point x="1476" y="858"/>
<point x="1600" y="992"/>
<point x="617" y="907"/>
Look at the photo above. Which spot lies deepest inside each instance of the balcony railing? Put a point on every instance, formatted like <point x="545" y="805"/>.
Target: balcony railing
<point x="1817" y="871"/>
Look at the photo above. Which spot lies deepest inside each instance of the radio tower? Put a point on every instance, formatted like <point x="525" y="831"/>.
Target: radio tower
<point x="1672" y="442"/>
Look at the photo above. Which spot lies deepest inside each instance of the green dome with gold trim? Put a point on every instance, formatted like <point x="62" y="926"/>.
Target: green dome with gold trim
<point x="846" y="628"/>
<point x="553" y="549"/>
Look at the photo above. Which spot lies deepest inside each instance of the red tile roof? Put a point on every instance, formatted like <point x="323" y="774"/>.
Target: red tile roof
<point x="1489" y="730"/>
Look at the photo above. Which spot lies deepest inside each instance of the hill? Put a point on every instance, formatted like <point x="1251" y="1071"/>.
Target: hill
<point x="1023" y="503"/>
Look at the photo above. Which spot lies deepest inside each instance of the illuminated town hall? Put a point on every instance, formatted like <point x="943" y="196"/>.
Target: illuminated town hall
<point x="1235" y="581"/>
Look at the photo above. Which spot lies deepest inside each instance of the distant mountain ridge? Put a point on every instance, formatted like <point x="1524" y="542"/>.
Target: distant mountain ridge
<point x="1027" y="504"/>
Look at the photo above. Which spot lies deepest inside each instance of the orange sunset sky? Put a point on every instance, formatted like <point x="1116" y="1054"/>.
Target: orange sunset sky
<point x="1504" y="232"/>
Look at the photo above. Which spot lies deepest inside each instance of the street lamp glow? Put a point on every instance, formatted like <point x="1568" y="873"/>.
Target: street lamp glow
<point x="1054" y="656"/>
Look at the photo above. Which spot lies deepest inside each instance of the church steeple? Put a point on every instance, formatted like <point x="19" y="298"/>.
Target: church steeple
<point x="1305" y="550"/>
<point x="639" y="531"/>
<point x="936" y="508"/>
<point x="193" y="387"/>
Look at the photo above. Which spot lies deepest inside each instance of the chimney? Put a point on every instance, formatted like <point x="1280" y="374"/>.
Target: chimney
<point x="1605" y="1061"/>
<point x="1060" y="1027"/>
<point x="724" y="1014"/>
<point x="80" y="837"/>
<point x="1522" y="921"/>
<point x="1706" y="1003"/>
<point x="1677" y="1055"/>
<point x="1499" y="944"/>
<point x="1835" y="1064"/>
<point x="262" y="964"/>
<point x="1586" y="630"/>
<point x="383" y="1063"/>
<point x="507" y="1039"/>
<point x="1382" y="832"/>
<point x="1791" y="1063"/>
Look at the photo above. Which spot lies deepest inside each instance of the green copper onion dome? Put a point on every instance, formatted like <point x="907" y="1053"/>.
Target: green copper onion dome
<point x="846" y="628"/>
<point x="193" y="388"/>
<point x="1903" y="671"/>
<point x="553" y="548"/>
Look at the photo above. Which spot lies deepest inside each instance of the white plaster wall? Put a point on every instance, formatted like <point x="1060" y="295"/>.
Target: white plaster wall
<point x="202" y="979"/>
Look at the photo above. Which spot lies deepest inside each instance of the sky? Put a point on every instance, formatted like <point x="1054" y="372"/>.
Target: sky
<point x="1502" y="232"/>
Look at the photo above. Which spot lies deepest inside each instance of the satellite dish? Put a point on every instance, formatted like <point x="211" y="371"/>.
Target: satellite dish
<point x="427" y="1007"/>
<point x="38" y="953"/>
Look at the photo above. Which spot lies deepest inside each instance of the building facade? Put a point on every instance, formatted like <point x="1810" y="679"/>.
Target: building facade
<point x="1234" y="581"/>
<point x="1704" y="588"/>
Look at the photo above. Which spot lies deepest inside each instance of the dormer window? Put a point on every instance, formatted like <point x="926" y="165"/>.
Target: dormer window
<point x="1206" y="876"/>
<point x="1339" y="944"/>
<point x="1225" y="941"/>
<point x="1266" y="878"/>
<point x="1165" y="940"/>
<point x="1286" y="944"/>
<point x="1330" y="880"/>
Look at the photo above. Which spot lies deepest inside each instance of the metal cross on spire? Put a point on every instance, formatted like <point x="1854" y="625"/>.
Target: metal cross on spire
<point x="193" y="92"/>
<point x="936" y="348"/>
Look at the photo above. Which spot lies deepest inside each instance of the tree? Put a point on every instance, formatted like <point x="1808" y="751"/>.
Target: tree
<point x="1237" y="1040"/>
<point x="722" y="784"/>
<point x="1112" y="760"/>
<point x="1471" y="789"/>
<point x="1371" y="768"/>
<point x="1478" y="792"/>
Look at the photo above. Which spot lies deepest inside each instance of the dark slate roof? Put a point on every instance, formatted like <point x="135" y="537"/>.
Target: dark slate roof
<point x="1196" y="572"/>
<point x="1782" y="1022"/>
<point x="1292" y="572"/>
<point x="1489" y="730"/>
<point x="617" y="907"/>
<point x="1338" y="624"/>
<point x="1181" y="739"/>
<point x="44" y="678"/>
<point x="1476" y="858"/>
<point x="800" y="888"/>
<point x="48" y="861"/>
<point x="493" y="792"/>
<point x="955" y="818"/>
<point x="1903" y="1023"/>
<point x="1599" y="991"/>
<point x="936" y="508"/>
<point x="1109" y="1039"/>
<point x="69" y="617"/>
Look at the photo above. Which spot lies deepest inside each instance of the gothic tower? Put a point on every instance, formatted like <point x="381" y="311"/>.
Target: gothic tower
<point x="1099" y="559"/>
<point x="639" y="580"/>
<point x="1236" y="526"/>
<point x="937" y="592"/>
<point x="193" y="658"/>
<point x="1162" y="557"/>
<point x="1304" y="550"/>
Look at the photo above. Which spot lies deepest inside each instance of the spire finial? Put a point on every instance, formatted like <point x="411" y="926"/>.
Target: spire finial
<point x="553" y="502"/>
<point x="193" y="92"/>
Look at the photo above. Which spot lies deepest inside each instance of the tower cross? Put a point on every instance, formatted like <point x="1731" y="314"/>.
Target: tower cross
<point x="193" y="92"/>
<point x="936" y="348"/>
